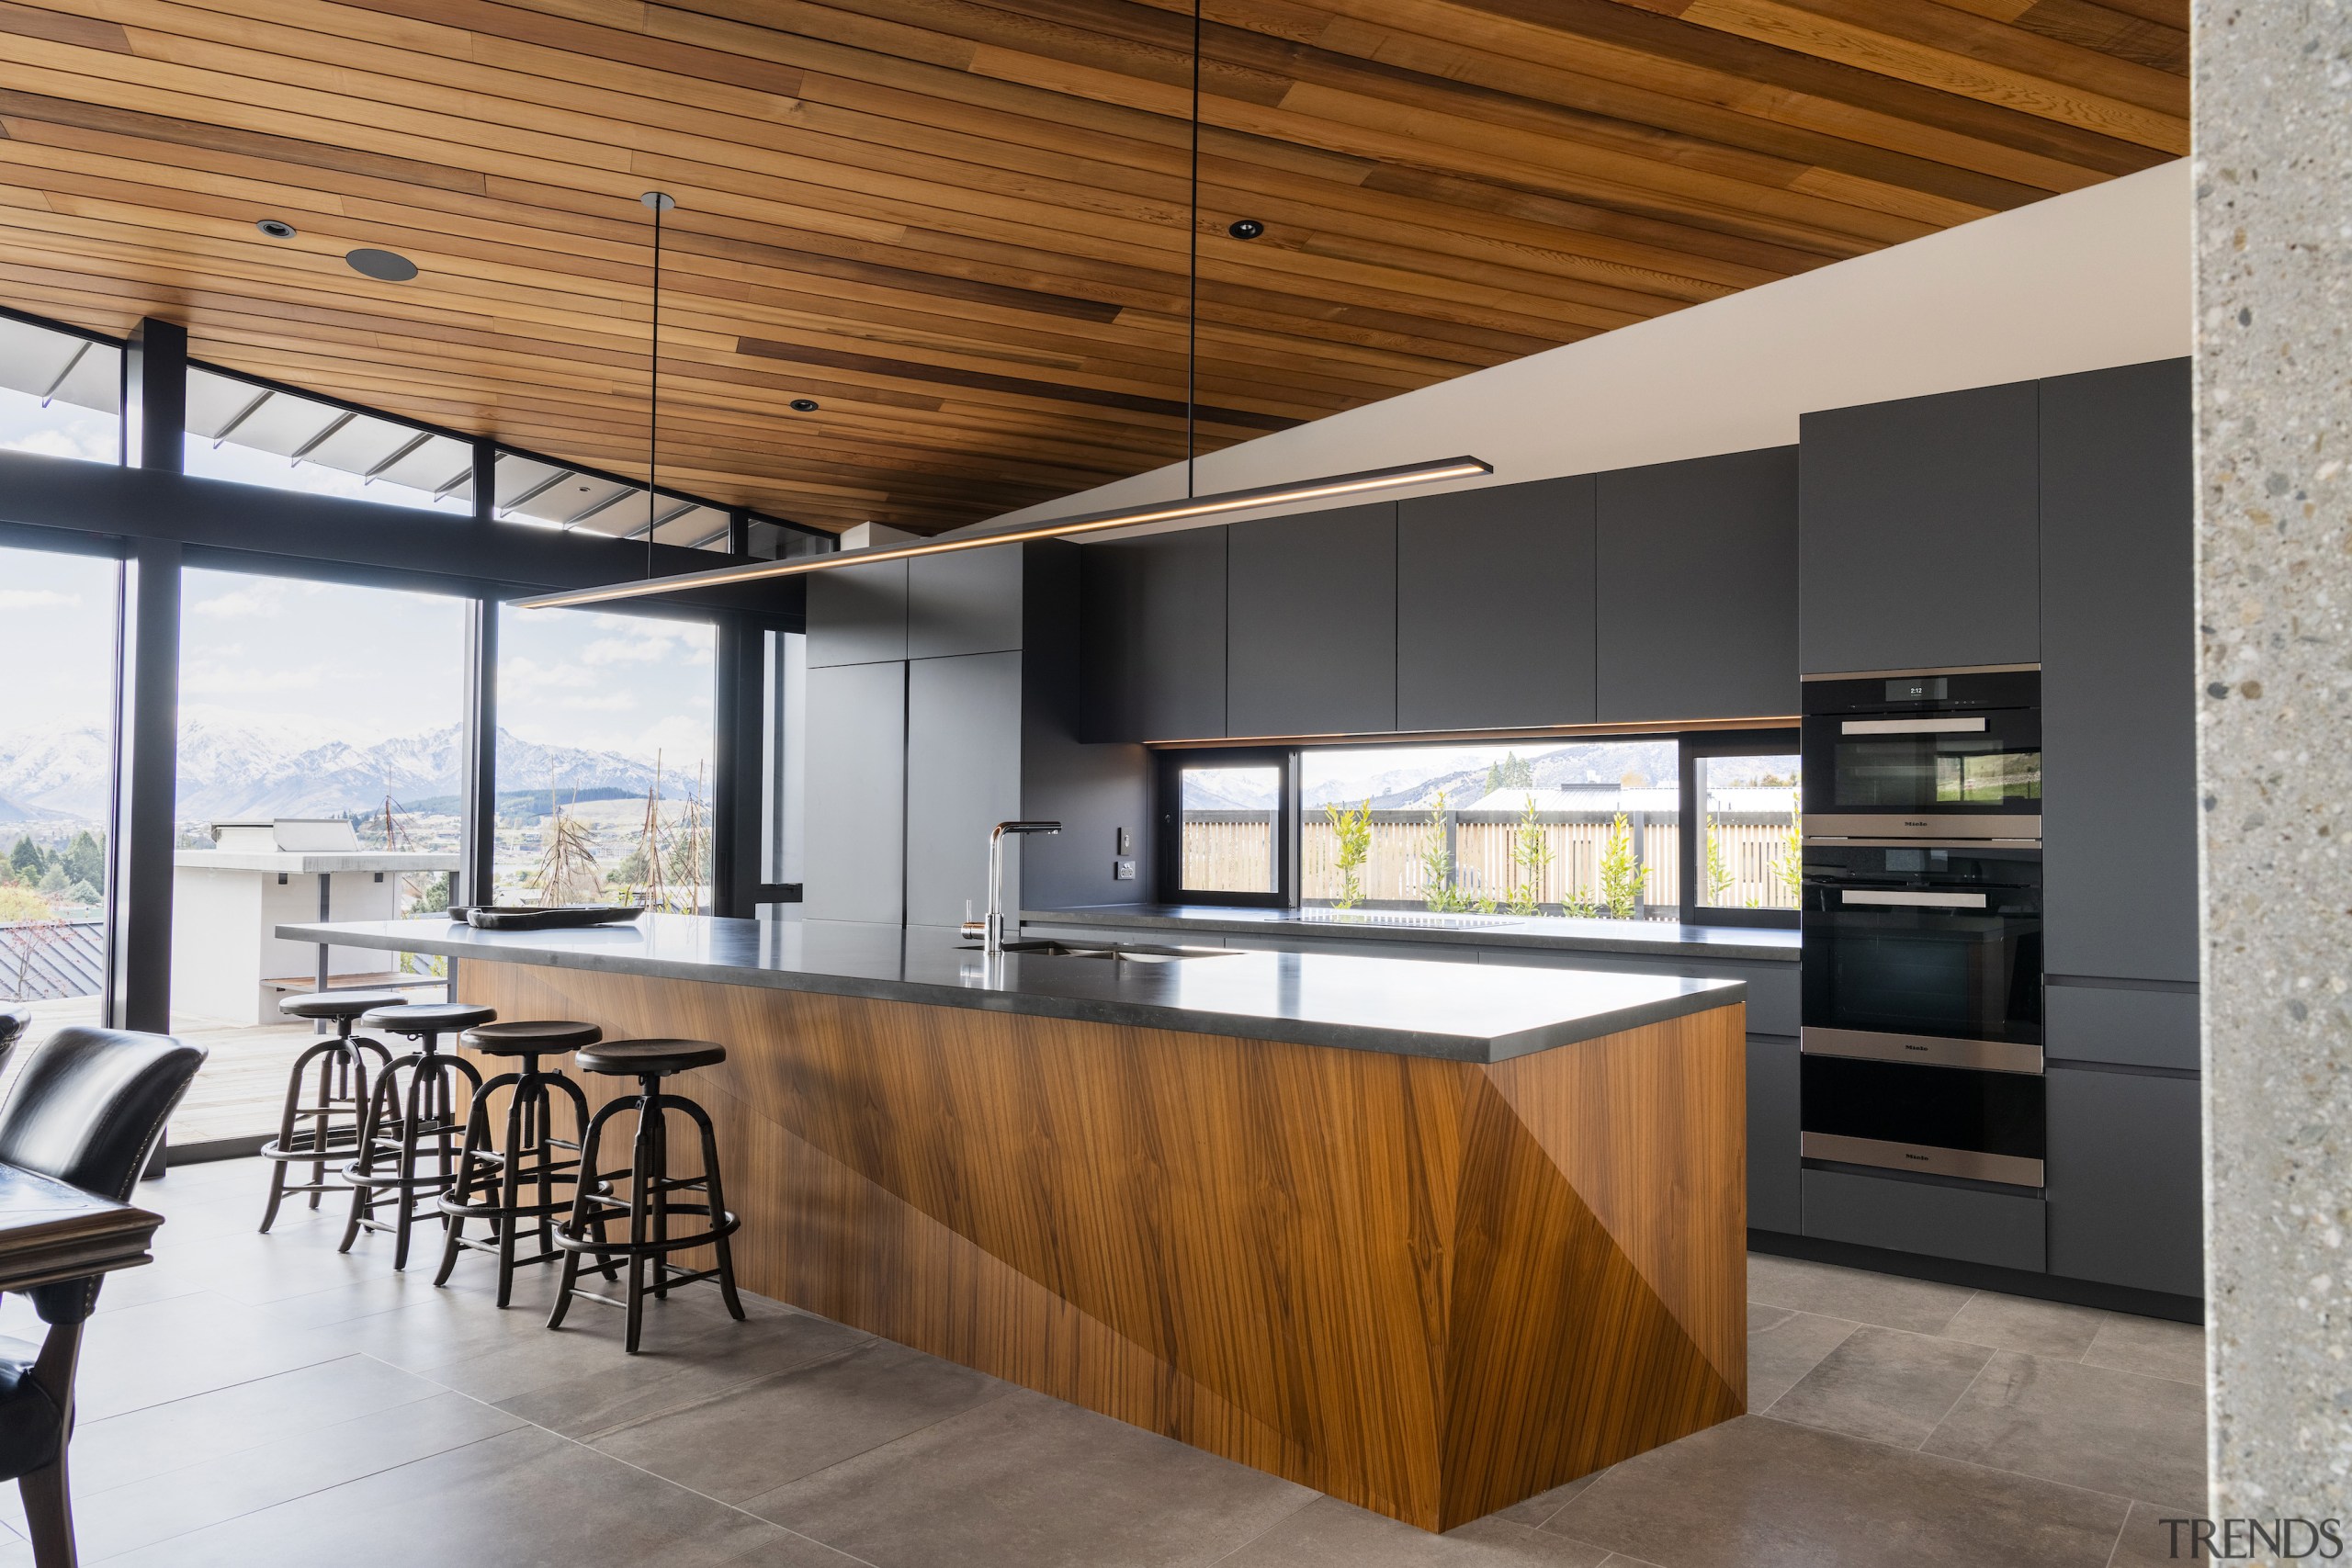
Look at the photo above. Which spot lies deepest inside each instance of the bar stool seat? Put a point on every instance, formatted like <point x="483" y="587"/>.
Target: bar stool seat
<point x="636" y="1058"/>
<point x="652" y="1201"/>
<point x="412" y="1114"/>
<point x="327" y="1125"/>
<point x="493" y="1175"/>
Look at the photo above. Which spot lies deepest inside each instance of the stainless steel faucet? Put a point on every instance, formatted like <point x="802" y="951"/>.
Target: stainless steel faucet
<point x="991" y="931"/>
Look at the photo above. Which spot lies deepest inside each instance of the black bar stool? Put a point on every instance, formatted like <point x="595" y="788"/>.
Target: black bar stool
<point x="491" y="1175"/>
<point x="326" y="1126"/>
<point x="411" y="1114"/>
<point x="649" y="1205"/>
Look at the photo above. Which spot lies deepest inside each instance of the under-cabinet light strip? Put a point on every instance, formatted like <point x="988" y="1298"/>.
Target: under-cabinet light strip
<point x="1160" y="511"/>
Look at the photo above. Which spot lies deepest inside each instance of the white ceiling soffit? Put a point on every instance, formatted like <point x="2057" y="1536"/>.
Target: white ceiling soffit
<point x="60" y="367"/>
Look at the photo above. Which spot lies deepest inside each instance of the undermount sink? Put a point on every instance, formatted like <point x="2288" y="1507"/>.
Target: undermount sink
<point x="1136" y="953"/>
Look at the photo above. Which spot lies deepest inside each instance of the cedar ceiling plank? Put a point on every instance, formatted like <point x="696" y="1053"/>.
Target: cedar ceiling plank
<point x="2110" y="32"/>
<point x="59" y="27"/>
<point x="1765" y="65"/>
<point x="1970" y="37"/>
<point x="280" y="149"/>
<point x="634" y="47"/>
<point x="1052" y="391"/>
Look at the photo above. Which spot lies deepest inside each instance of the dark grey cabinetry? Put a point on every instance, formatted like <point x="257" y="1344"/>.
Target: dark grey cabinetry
<point x="1698" y="588"/>
<point x="963" y="777"/>
<point x="1917" y="539"/>
<point x="1495" y="607"/>
<point x="2126" y="1175"/>
<point x="857" y="614"/>
<point x="1773" y="1134"/>
<point x="1152" y="636"/>
<point x="1973" y="1224"/>
<point x="2119" y="672"/>
<point x="965" y="602"/>
<point x="1311" y="624"/>
<point x="2125" y="1027"/>
<point x="855" y="865"/>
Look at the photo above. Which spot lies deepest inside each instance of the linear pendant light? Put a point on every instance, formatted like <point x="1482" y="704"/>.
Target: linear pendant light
<point x="1128" y="517"/>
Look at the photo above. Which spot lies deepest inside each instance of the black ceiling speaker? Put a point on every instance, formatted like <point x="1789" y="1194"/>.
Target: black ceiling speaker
<point x="804" y="405"/>
<point x="1244" y="228"/>
<point x="384" y="266"/>
<point x="275" y="228"/>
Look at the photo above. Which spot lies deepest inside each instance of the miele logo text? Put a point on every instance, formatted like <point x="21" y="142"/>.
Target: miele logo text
<point x="2224" y="1540"/>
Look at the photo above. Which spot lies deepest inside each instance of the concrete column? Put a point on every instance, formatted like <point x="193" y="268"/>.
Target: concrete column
<point x="2274" y="292"/>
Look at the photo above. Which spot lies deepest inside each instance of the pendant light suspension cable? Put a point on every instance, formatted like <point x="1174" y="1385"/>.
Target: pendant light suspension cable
<point x="660" y="202"/>
<point x="1192" y="273"/>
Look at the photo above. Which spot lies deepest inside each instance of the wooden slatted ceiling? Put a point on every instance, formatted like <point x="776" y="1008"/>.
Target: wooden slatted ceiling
<point x="960" y="226"/>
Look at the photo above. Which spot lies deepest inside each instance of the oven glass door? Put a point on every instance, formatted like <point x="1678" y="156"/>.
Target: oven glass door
<point x="1942" y="1121"/>
<point x="1922" y="941"/>
<point x="1986" y="764"/>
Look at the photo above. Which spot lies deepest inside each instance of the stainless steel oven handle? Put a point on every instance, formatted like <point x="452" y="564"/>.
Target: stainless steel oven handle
<point x="1971" y="726"/>
<point x="1914" y="900"/>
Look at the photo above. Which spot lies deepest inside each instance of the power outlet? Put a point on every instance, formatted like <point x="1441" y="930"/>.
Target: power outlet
<point x="1126" y="841"/>
<point x="1123" y="871"/>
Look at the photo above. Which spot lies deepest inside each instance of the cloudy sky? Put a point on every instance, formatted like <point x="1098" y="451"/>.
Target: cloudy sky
<point x="340" y="662"/>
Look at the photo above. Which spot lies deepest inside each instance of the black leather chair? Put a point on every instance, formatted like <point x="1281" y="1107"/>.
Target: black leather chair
<point x="87" y="1110"/>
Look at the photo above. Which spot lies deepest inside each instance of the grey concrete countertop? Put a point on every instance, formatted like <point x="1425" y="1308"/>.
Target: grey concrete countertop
<point x="1666" y="939"/>
<point x="1404" y="1005"/>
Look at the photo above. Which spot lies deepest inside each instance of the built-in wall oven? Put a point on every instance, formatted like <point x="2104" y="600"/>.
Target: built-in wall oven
<point x="1922" y="922"/>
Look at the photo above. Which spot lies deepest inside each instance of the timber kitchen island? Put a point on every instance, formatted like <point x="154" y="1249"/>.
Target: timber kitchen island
<point x="1428" y="1237"/>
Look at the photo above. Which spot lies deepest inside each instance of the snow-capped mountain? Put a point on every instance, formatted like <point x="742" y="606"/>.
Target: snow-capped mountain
<point x="240" y="768"/>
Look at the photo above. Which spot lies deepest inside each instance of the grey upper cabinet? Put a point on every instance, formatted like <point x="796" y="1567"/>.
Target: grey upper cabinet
<point x="1311" y="624"/>
<point x="1152" y="636"/>
<point x="2118" y="682"/>
<point x="1494" y="607"/>
<point x="1917" y="543"/>
<point x="965" y="602"/>
<point x="2126" y="1179"/>
<point x="857" y="614"/>
<point x="855" y="865"/>
<point x="1698" y="588"/>
<point x="963" y="778"/>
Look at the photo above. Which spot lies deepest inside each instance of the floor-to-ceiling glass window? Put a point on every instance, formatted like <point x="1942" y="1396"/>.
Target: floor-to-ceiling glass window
<point x="604" y="770"/>
<point x="56" y="783"/>
<point x="319" y="768"/>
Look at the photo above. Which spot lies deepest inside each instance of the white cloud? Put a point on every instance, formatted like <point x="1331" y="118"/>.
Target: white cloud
<point x="99" y="445"/>
<point x="221" y="679"/>
<point x="518" y="675"/>
<point x="34" y="598"/>
<point x="261" y="599"/>
<point x="642" y="648"/>
<point x="611" y="701"/>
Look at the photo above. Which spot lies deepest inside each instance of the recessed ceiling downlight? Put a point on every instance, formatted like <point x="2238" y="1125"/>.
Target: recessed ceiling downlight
<point x="1245" y="228"/>
<point x="384" y="266"/>
<point x="275" y="228"/>
<point x="804" y="405"/>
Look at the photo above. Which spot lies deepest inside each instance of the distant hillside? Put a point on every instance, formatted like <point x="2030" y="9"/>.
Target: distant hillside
<point x="1561" y="767"/>
<point x="234" y="769"/>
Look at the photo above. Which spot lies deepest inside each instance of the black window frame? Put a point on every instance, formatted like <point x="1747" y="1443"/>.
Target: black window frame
<point x="1689" y="746"/>
<point x="1168" y="850"/>
<point x="1779" y="741"/>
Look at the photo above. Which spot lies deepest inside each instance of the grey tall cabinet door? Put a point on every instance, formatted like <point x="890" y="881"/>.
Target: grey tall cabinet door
<point x="854" y="864"/>
<point x="1152" y="633"/>
<point x="2119" y="678"/>
<point x="1494" y="607"/>
<point x="963" y="778"/>
<point x="1917" y="543"/>
<point x="1698" y="588"/>
<point x="857" y="614"/>
<point x="1311" y="624"/>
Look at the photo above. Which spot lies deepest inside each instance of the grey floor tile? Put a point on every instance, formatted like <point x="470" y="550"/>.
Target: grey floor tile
<point x="1328" y="1533"/>
<point x="180" y="1346"/>
<point x="2090" y="1427"/>
<point x="1756" y="1493"/>
<point x="1921" y="1306"/>
<point x="526" y="1496"/>
<point x="160" y="1508"/>
<point x="141" y="1443"/>
<point x="1761" y="1317"/>
<point x="2014" y="1323"/>
<point x="759" y="1435"/>
<point x="1780" y="1355"/>
<point x="1884" y="1386"/>
<point x="2150" y="1345"/>
<point x="2147" y="1541"/>
<point x="1028" y="1481"/>
<point x="1543" y="1504"/>
<point x="725" y="1356"/>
